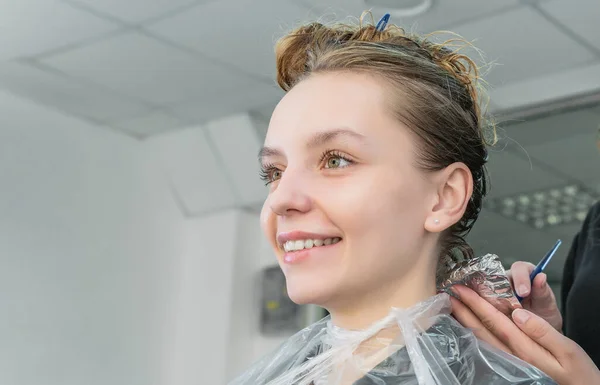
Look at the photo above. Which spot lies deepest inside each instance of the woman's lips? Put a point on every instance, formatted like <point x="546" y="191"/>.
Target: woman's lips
<point x="297" y="256"/>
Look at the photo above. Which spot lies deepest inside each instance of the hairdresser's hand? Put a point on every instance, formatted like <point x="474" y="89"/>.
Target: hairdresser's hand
<point x="537" y="298"/>
<point x="526" y="336"/>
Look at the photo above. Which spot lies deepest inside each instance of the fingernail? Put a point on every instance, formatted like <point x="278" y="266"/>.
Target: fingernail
<point x="520" y="316"/>
<point x="522" y="291"/>
<point x="455" y="291"/>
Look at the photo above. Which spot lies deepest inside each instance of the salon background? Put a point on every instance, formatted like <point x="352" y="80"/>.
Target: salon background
<point x="129" y="199"/>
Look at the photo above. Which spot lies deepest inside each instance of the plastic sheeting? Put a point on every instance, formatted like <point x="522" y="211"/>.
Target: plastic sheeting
<point x="422" y="345"/>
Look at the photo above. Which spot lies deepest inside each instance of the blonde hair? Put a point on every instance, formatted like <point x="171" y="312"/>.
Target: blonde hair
<point x="435" y="91"/>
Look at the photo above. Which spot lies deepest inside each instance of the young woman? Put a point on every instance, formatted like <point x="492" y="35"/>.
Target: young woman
<point x="375" y="164"/>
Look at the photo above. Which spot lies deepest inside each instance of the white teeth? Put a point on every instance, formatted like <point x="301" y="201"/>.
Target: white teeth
<point x="309" y="243"/>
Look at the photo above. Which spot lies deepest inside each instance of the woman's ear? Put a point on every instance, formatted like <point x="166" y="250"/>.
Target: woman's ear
<point x="454" y="186"/>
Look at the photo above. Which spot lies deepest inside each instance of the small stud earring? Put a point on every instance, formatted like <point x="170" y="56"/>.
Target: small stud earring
<point x="436" y="221"/>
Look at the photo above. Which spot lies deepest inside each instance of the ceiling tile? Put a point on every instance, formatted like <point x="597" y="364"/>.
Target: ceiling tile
<point x="577" y="156"/>
<point x="146" y="68"/>
<point x="66" y="94"/>
<point x="249" y="45"/>
<point x="237" y="143"/>
<point x="547" y="88"/>
<point x="549" y="129"/>
<point x="136" y="11"/>
<point x="580" y="16"/>
<point x="197" y="178"/>
<point x="526" y="49"/>
<point x="217" y="106"/>
<point x="154" y="123"/>
<point x="513" y="174"/>
<point x="442" y="14"/>
<point x="35" y="26"/>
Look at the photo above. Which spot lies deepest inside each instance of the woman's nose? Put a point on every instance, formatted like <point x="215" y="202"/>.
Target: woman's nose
<point x="291" y="195"/>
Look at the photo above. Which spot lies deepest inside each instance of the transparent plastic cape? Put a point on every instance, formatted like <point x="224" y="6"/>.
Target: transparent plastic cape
<point x="422" y="345"/>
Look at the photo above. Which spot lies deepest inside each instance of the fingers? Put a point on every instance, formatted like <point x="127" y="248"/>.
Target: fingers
<point x="529" y="337"/>
<point x="541" y="293"/>
<point x="470" y="321"/>
<point x="542" y="302"/>
<point x="575" y="366"/>
<point x="545" y="335"/>
<point x="538" y="330"/>
<point x="519" y="272"/>
<point x="505" y="330"/>
<point x="491" y="318"/>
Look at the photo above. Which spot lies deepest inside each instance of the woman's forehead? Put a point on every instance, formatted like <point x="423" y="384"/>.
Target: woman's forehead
<point x="329" y="102"/>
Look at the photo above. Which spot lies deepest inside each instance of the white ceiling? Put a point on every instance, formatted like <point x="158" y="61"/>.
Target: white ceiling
<point x="145" y="67"/>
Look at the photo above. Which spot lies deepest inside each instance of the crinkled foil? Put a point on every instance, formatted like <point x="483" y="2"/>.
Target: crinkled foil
<point x="486" y="276"/>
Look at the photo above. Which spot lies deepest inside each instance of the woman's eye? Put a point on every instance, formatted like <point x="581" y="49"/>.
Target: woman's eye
<point x="337" y="162"/>
<point x="270" y="174"/>
<point x="275" y="175"/>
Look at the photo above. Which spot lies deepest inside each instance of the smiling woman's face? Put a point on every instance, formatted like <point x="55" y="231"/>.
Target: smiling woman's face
<point x="347" y="204"/>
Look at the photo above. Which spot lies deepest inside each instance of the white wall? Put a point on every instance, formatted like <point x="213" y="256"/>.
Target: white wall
<point x="214" y="333"/>
<point x="103" y="280"/>
<point x="87" y="234"/>
<point x="246" y="343"/>
<point x="196" y="337"/>
<point x="214" y="330"/>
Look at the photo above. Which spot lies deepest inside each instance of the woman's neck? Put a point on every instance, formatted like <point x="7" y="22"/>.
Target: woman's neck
<point x="362" y="310"/>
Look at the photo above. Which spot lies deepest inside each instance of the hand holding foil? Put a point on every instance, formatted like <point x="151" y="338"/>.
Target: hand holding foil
<point x="486" y="276"/>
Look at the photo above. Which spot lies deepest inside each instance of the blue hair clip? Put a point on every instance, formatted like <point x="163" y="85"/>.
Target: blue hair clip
<point x="382" y="23"/>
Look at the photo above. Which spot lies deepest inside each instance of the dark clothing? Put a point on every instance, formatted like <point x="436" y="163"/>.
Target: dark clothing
<point x="581" y="287"/>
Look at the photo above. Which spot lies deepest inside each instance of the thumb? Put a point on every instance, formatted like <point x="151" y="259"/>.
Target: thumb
<point x="540" y="331"/>
<point x="541" y="293"/>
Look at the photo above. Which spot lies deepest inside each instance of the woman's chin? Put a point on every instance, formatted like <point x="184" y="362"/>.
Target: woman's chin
<point x="310" y="295"/>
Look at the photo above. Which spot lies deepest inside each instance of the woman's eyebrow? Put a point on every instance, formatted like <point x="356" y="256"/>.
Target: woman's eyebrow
<point x="316" y="140"/>
<point x="267" y="152"/>
<point x="324" y="137"/>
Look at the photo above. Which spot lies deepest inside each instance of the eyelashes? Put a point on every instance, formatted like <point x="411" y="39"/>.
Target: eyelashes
<point x="330" y="155"/>
<point x="330" y="159"/>
<point x="267" y="172"/>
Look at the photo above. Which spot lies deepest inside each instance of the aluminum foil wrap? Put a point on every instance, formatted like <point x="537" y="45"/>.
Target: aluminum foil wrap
<point x="486" y="276"/>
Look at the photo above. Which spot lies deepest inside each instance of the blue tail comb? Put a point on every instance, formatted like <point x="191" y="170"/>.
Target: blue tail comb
<point x="382" y="22"/>
<point x="542" y="265"/>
